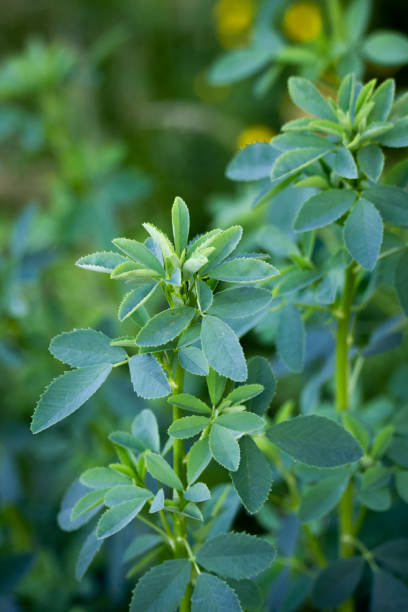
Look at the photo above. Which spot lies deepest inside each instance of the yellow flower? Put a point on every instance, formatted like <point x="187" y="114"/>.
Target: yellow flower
<point x="233" y="20"/>
<point x="254" y="133"/>
<point x="302" y="22"/>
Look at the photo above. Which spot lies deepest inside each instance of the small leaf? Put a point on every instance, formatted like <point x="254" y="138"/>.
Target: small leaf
<point x="386" y="48"/>
<point x="192" y="359"/>
<point x="204" y="295"/>
<point x="180" y="218"/>
<point x="88" y="502"/>
<point x="323" y="208"/>
<point x="241" y="63"/>
<point x="320" y="498"/>
<point x="190" y="403"/>
<point x="243" y="270"/>
<point x="85" y="347"/>
<point x="105" y="261"/>
<point x="140" y="253"/>
<point x="397" y="136"/>
<point x="134" y="300"/>
<point x="89" y="549"/>
<point x="192" y="511"/>
<point x="198" y="457"/>
<point x="158" y="502"/>
<point x="253" y="479"/>
<point x="388" y="593"/>
<point x="252" y="163"/>
<point x="223" y="244"/>
<point x="127" y="440"/>
<point x="244" y="393"/>
<point x="344" y="164"/>
<point x="290" y="339"/>
<point x="239" y="302"/>
<point x="158" y="467"/>
<point x="236" y="555"/>
<point x="211" y="593"/>
<point x="160" y="239"/>
<point x="162" y="587"/>
<point x="224" y="448"/>
<point x="124" y="493"/>
<point x="216" y="386"/>
<point x="246" y="422"/>
<point x="260" y="371"/>
<point x="198" y="492"/>
<point x="337" y="582"/>
<point x="222" y="349"/>
<point x="307" y="97"/>
<point x="392" y="202"/>
<point x="165" y="326"/>
<point x="187" y="427"/>
<point x="148" y="378"/>
<point x="363" y="234"/>
<point x="316" y="441"/>
<point x="345" y="95"/>
<point x="371" y="161"/>
<point x="116" y="518"/>
<point x="383" y="99"/>
<point x="394" y="555"/>
<point x="67" y="393"/>
<point x="293" y="161"/>
<point x="146" y="429"/>
<point x="103" y="477"/>
<point x="401" y="282"/>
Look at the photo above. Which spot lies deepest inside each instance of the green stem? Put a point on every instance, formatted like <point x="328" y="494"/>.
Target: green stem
<point x="335" y="18"/>
<point x="342" y="404"/>
<point x="315" y="547"/>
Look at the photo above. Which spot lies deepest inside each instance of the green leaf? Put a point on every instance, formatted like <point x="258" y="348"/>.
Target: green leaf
<point x="236" y="555"/>
<point x="392" y="202"/>
<point x="224" y="447"/>
<point x="293" y="161"/>
<point x="246" y="422"/>
<point x="146" y="429"/>
<point x="344" y="164"/>
<point x="323" y="208"/>
<point x="401" y="482"/>
<point x="89" y="549"/>
<point x="253" y="479"/>
<point x="180" y="218"/>
<point x="85" y="347"/>
<point x="260" y="371"/>
<point x="190" y="403"/>
<point x="158" y="467"/>
<point x="388" y="593"/>
<point x="357" y="429"/>
<point x="124" y="493"/>
<point x="198" y="457"/>
<point x="211" y="593"/>
<point x="386" y="48"/>
<point x="216" y="386"/>
<point x="397" y="137"/>
<point x="103" y="477"/>
<point x="290" y="339"/>
<point x="160" y="239"/>
<point x="378" y="500"/>
<point x="134" y="299"/>
<point x="307" y="97"/>
<point x="223" y="245"/>
<point x="239" y="302"/>
<point x="116" y="518"/>
<point x="165" y="326"/>
<point x="337" y="582"/>
<point x="162" y="588"/>
<point x="394" y="555"/>
<point x="316" y="441"/>
<point x="320" y="498"/>
<point x="158" y="502"/>
<point x="300" y="140"/>
<point x="249" y="593"/>
<point x="243" y="270"/>
<point x="345" y="96"/>
<point x="363" y="234"/>
<point x="192" y="359"/>
<point x="140" y="545"/>
<point x="356" y="18"/>
<point x="198" y="492"/>
<point x="294" y="280"/>
<point x="222" y="349"/>
<point x="187" y="427"/>
<point x="190" y="336"/>
<point x="192" y="511"/>
<point x="87" y="502"/>
<point x="67" y="393"/>
<point x="148" y="378"/>
<point x="104" y="261"/>
<point x="244" y="393"/>
<point x="383" y="99"/>
<point x="132" y="271"/>
<point x="371" y="161"/>
<point x="204" y="295"/>
<point x="239" y="64"/>
<point x="252" y="163"/>
<point x="140" y="253"/>
<point x="398" y="450"/>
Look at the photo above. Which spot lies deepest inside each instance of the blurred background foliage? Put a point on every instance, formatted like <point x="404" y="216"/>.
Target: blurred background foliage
<point x="107" y="111"/>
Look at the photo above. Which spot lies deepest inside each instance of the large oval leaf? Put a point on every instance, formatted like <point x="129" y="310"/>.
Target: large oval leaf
<point x="222" y="349"/>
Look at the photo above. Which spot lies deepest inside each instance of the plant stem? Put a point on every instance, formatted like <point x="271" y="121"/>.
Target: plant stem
<point x="335" y="18"/>
<point x="342" y="404"/>
<point x="315" y="547"/>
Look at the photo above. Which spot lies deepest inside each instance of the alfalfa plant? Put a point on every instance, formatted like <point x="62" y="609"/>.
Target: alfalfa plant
<point x="344" y="254"/>
<point x="191" y="331"/>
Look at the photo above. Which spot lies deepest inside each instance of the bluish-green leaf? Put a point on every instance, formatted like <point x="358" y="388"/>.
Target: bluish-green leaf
<point x="204" y="295"/>
<point x="89" y="549"/>
<point x="260" y="372"/>
<point x="239" y="302"/>
<point x="124" y="493"/>
<point x="165" y="326"/>
<point x="243" y="270"/>
<point x="307" y="97"/>
<point x="190" y="403"/>
<point x="224" y="447"/>
<point x="158" y="502"/>
<point x="344" y="164"/>
<point x="180" y="218"/>
<point x="141" y="544"/>
<point x="371" y="161"/>
<point x="239" y="64"/>
<point x="103" y="477"/>
<point x="198" y="492"/>
<point x="158" y="467"/>
<point x="162" y="588"/>
<point x="148" y="378"/>
<point x="85" y="347"/>
<point x="88" y="502"/>
<point x="394" y="555"/>
<point x="386" y="48"/>
<point x="253" y="479"/>
<point x="192" y="359"/>
<point x="316" y="441"/>
<point x="383" y="99"/>
<point x="117" y="517"/>
<point x="134" y="300"/>
<point x="198" y="458"/>
<point x="236" y="555"/>
<point x="401" y="483"/>
<point x="246" y="422"/>
<point x="320" y="498"/>
<point x="252" y="163"/>
<point x="345" y="94"/>
<point x="337" y="582"/>
<point x="244" y="393"/>
<point x="139" y="253"/>
<point x="104" y="261"/>
<point x="211" y="593"/>
<point x="222" y="349"/>
<point x="397" y="137"/>
<point x="392" y="202"/>
<point x="293" y="161"/>
<point x="189" y="426"/>
<point x="388" y="593"/>
<point x="290" y="339"/>
<point x="323" y="208"/>
<point x="363" y="234"/>
<point x="223" y="245"/>
<point x="67" y="393"/>
<point x="146" y="429"/>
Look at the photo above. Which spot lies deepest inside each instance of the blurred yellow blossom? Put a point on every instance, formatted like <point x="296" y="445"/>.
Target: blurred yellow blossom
<point x="302" y="22"/>
<point x="254" y="133"/>
<point x="233" y="20"/>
